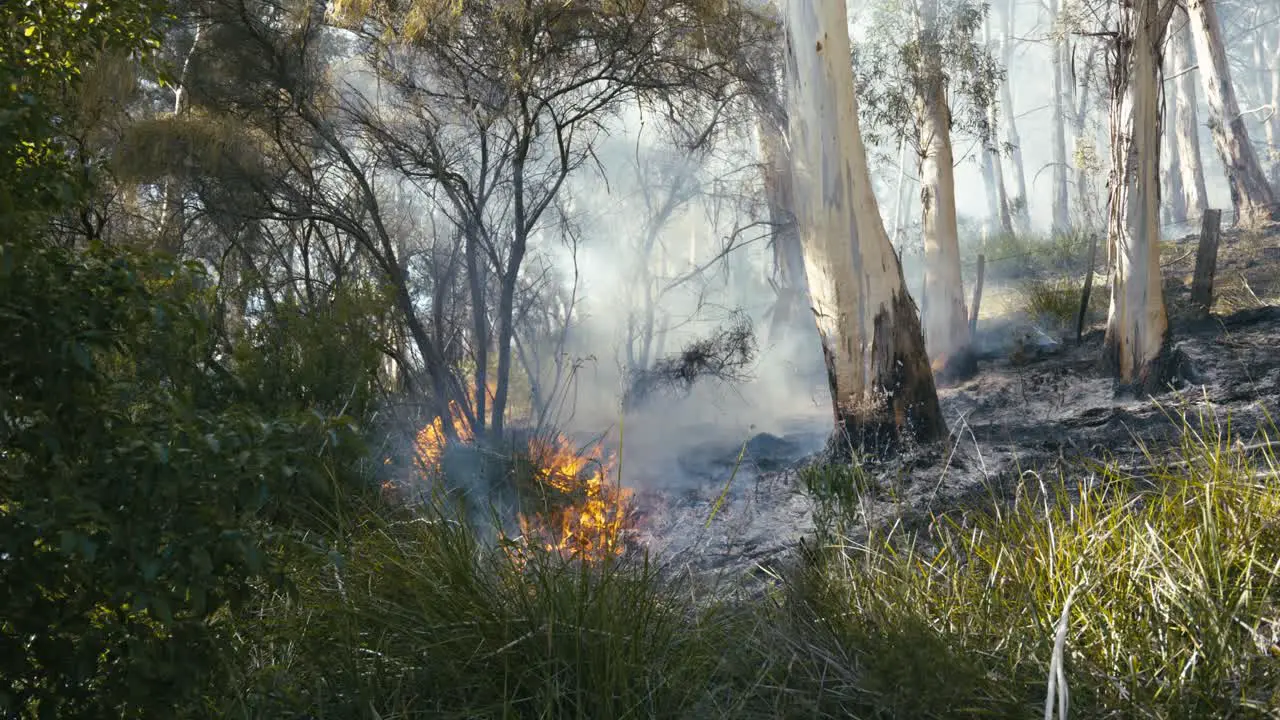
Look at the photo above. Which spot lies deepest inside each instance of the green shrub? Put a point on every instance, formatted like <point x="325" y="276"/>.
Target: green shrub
<point x="134" y="505"/>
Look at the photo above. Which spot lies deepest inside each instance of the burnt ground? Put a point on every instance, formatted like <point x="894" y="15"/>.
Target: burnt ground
<point x="1039" y="403"/>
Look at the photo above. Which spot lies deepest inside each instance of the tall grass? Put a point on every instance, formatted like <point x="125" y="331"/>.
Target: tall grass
<point x="1171" y="569"/>
<point x="1172" y="572"/>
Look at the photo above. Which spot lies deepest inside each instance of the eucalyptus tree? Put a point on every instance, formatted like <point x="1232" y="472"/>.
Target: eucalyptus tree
<point x="1137" y="344"/>
<point x="925" y="75"/>
<point x="1186" y="126"/>
<point x="882" y="388"/>
<point x="1251" y="195"/>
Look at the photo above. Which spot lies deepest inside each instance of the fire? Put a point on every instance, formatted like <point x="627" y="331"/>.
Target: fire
<point x="592" y="522"/>
<point x="580" y="513"/>
<point x="429" y="444"/>
<point x="938" y="363"/>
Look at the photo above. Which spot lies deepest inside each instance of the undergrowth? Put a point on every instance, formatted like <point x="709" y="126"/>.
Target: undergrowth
<point x="1167" y="573"/>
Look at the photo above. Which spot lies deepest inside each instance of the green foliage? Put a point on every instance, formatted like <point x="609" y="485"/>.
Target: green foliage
<point x="319" y="356"/>
<point x="1056" y="301"/>
<point x="888" y="71"/>
<point x="45" y="45"/>
<point x="1030" y="255"/>
<point x="837" y="491"/>
<point x="134" y="499"/>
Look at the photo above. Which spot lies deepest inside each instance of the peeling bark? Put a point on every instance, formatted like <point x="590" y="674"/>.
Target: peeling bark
<point x="882" y="389"/>
<point x="788" y="258"/>
<point x="1250" y="193"/>
<point x="1136" y="348"/>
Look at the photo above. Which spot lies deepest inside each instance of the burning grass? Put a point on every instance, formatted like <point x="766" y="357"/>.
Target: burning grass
<point x="568" y="503"/>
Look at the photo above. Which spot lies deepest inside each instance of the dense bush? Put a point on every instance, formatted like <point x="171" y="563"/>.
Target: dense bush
<point x="137" y="497"/>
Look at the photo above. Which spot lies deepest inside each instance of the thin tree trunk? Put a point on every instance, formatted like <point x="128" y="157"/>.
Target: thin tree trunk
<point x="1273" y="124"/>
<point x="881" y="386"/>
<point x="946" y="327"/>
<point x="992" y="167"/>
<point x="173" y="215"/>
<point x="1250" y="193"/>
<point x="1175" y="204"/>
<point x="1137" y="338"/>
<point x="1061" y="199"/>
<point x="897" y="196"/>
<point x="1186" y="124"/>
<point x="479" y="325"/>
<point x="1018" y="202"/>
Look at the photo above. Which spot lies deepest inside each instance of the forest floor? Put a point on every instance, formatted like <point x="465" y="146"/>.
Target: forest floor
<point x="1038" y="407"/>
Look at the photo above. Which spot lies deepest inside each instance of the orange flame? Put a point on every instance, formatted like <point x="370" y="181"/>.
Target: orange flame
<point x="429" y="444"/>
<point x="591" y="525"/>
<point x="584" y="515"/>
<point x="938" y="363"/>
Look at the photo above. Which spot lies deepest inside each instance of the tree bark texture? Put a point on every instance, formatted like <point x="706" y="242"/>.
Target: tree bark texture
<point x="1136" y="347"/>
<point x="881" y="385"/>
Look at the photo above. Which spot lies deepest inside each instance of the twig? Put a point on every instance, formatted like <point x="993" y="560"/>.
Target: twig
<point x="725" y="492"/>
<point x="1252" y="294"/>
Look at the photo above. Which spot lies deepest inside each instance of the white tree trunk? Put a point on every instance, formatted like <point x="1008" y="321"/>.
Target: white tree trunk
<point x="992" y="167"/>
<point x="1018" y="203"/>
<point x="1061" y="198"/>
<point x="1273" y="124"/>
<point x="1174" y="205"/>
<point x="946" y="323"/>
<point x="1137" y="327"/>
<point x="1250" y="193"/>
<point x="1186" y="126"/>
<point x="1173" y="197"/>
<point x="882" y="388"/>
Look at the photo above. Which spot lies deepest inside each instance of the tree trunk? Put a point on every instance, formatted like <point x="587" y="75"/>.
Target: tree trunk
<point x="479" y="324"/>
<point x="1137" y="336"/>
<point x="173" y="215"/>
<point x="1175" y="204"/>
<point x="1018" y="203"/>
<point x="1273" y="125"/>
<point x="946" y="327"/>
<point x="1186" y="124"/>
<point x="881" y="386"/>
<point x="992" y="167"/>
<point x="1250" y="193"/>
<point x="1061" y="199"/>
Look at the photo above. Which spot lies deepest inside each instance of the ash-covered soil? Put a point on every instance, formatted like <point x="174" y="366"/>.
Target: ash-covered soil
<point x="1039" y="403"/>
